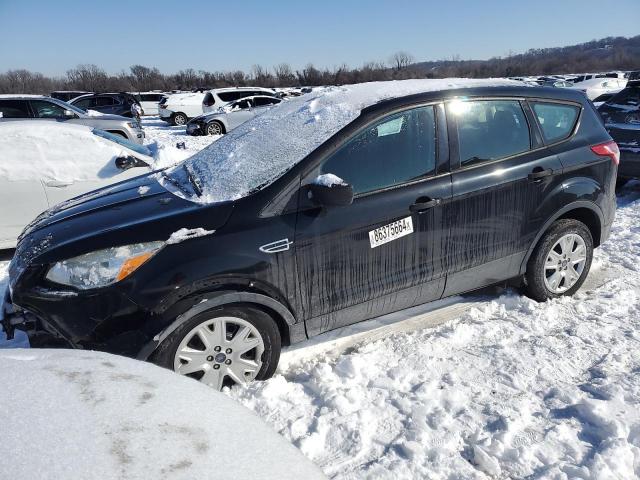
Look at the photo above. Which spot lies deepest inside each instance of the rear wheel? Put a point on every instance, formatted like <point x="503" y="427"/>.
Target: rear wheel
<point x="179" y="119"/>
<point x="560" y="262"/>
<point x="215" y="128"/>
<point x="223" y="346"/>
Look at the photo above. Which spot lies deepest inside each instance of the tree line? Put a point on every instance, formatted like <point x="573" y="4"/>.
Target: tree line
<point x="612" y="53"/>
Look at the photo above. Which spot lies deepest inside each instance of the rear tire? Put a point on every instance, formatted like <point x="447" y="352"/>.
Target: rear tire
<point x="179" y="119"/>
<point x="560" y="262"/>
<point x="259" y="327"/>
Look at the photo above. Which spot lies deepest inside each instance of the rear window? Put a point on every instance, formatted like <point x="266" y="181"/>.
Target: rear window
<point x="556" y="120"/>
<point x="14" y="109"/>
<point x="490" y="130"/>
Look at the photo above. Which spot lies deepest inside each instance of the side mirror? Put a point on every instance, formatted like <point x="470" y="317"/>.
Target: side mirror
<point x="125" y="163"/>
<point x="69" y="114"/>
<point x="329" y="190"/>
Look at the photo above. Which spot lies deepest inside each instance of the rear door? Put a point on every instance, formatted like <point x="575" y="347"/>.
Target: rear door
<point x="383" y="252"/>
<point x="12" y="109"/>
<point x="502" y="179"/>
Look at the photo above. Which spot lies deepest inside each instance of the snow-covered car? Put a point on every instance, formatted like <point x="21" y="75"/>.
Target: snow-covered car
<point x="149" y="101"/>
<point x="78" y="414"/>
<point x="230" y="116"/>
<point x="599" y="86"/>
<point x="45" y="163"/>
<point x="219" y="97"/>
<point x="23" y="107"/>
<point x="178" y="108"/>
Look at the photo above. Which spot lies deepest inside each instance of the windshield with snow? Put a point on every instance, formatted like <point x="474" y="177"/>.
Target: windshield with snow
<point x="261" y="150"/>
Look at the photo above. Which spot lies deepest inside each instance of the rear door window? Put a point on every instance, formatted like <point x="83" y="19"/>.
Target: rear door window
<point x="14" y="109"/>
<point x="231" y="96"/>
<point x="393" y="151"/>
<point x="105" y="101"/>
<point x="556" y="120"/>
<point x="490" y="129"/>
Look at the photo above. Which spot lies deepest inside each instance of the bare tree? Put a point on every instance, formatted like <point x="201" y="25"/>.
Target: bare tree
<point x="87" y="77"/>
<point x="401" y="60"/>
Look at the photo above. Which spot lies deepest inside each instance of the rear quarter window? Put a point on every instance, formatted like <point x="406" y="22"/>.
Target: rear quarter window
<point x="556" y="120"/>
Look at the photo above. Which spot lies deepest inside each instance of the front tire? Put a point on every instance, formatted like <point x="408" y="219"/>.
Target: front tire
<point x="223" y="346"/>
<point x="560" y="262"/>
<point x="215" y="128"/>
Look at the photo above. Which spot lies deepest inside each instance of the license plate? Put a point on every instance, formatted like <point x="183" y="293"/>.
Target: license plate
<point x="393" y="231"/>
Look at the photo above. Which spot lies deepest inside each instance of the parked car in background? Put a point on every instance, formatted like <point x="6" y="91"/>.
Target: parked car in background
<point x="45" y="163"/>
<point x="231" y="115"/>
<point x="108" y="103"/>
<point x="178" y="108"/>
<point x="597" y="86"/>
<point x="621" y="115"/>
<point x="556" y="83"/>
<point x="219" y="97"/>
<point x="297" y="223"/>
<point x="149" y="101"/>
<point x="21" y="107"/>
<point x="66" y="95"/>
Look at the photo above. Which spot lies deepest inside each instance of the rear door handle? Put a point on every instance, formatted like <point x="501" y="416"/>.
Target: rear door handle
<point x="424" y="203"/>
<point x="538" y="174"/>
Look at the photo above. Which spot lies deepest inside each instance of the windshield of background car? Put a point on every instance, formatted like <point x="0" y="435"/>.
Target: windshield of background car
<point x="73" y="108"/>
<point x="120" y="140"/>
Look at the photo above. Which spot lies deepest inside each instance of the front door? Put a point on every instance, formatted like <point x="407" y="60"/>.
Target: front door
<point x="384" y="252"/>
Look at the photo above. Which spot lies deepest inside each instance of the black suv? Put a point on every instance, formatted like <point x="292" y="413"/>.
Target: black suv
<point x="622" y="118"/>
<point x="329" y="210"/>
<point x="109" y="103"/>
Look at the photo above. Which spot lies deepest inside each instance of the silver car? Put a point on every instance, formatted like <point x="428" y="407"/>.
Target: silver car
<point x="231" y="115"/>
<point x="24" y="107"/>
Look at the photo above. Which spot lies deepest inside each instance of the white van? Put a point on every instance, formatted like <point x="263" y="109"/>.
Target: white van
<point x="178" y="108"/>
<point x="219" y="97"/>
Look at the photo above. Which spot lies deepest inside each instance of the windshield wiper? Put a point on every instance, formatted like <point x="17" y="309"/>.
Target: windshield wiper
<point x="192" y="179"/>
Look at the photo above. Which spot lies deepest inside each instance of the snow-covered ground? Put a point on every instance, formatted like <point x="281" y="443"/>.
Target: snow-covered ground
<point x="498" y="387"/>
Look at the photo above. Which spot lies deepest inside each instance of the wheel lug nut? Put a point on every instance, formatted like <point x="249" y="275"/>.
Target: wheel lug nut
<point x="216" y="349"/>
<point x="209" y="358"/>
<point x="227" y="362"/>
<point x="216" y="366"/>
<point x="228" y="350"/>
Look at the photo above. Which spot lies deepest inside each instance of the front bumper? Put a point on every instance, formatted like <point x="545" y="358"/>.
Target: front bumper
<point x="194" y="129"/>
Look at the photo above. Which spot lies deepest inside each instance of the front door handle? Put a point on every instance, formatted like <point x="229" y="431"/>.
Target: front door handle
<point x="58" y="183"/>
<point x="424" y="203"/>
<point x="538" y="174"/>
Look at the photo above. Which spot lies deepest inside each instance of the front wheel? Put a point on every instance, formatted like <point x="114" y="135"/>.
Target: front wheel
<point x="560" y="262"/>
<point x="215" y="128"/>
<point x="223" y="346"/>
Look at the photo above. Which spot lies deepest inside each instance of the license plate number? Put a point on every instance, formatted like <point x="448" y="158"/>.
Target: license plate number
<point x="390" y="232"/>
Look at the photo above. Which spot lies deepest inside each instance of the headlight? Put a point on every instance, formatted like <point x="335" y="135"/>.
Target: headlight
<point x="134" y="125"/>
<point x="102" y="267"/>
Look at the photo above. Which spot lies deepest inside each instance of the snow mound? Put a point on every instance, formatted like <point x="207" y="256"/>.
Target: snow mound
<point x="79" y="414"/>
<point x="262" y="149"/>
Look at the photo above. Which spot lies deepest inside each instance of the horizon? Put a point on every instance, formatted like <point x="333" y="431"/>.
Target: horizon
<point x="205" y="39"/>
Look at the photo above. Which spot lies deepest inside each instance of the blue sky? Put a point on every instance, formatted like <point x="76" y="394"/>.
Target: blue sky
<point x="55" y="35"/>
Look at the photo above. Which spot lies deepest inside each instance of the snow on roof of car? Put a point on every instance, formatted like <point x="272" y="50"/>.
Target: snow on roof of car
<point x="41" y="149"/>
<point x="88" y="414"/>
<point x="262" y="149"/>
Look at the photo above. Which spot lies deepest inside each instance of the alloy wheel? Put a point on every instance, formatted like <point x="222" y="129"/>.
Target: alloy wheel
<point x="565" y="263"/>
<point x="221" y="351"/>
<point x="214" y="129"/>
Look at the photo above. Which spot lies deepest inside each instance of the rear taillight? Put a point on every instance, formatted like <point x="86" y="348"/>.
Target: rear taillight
<point x="609" y="149"/>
